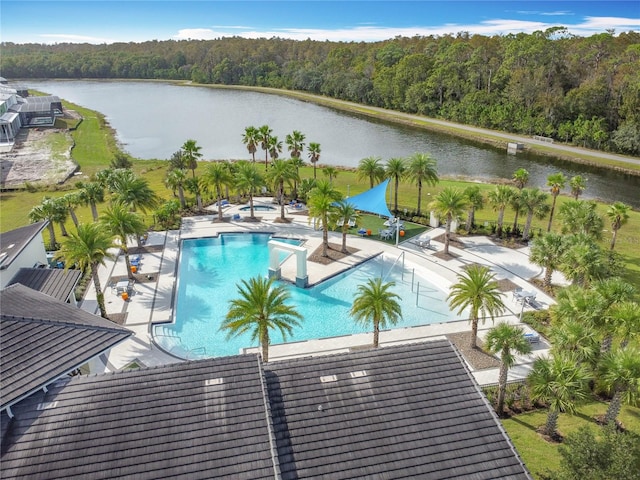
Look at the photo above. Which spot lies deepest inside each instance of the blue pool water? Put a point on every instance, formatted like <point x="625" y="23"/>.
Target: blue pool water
<point x="210" y="269"/>
<point x="257" y="208"/>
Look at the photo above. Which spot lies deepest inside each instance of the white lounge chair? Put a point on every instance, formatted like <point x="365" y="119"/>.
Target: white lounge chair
<point x="352" y="222"/>
<point x="423" y="242"/>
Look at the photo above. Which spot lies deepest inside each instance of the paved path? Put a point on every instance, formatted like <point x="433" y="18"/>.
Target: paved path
<point x="151" y="301"/>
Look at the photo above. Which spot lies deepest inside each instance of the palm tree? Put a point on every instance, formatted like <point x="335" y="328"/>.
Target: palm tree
<point x="218" y="175"/>
<point x="547" y="251"/>
<point x="91" y="194"/>
<point x="520" y="179"/>
<point x="578" y="216"/>
<point x="297" y="162"/>
<point x="506" y="340"/>
<point x="372" y="169"/>
<point x="561" y="381"/>
<point x="557" y="181"/>
<point x="295" y="143"/>
<point x="475" y="201"/>
<point x="191" y="153"/>
<point x="281" y="172"/>
<point x="250" y="139"/>
<point x="396" y="169"/>
<point x="178" y="161"/>
<point x="583" y="260"/>
<point x="534" y="202"/>
<point x="135" y="192"/>
<point x="449" y="204"/>
<point x="250" y="180"/>
<point x="578" y="185"/>
<point x="322" y="202"/>
<point x="422" y="170"/>
<point x="344" y="210"/>
<point x="87" y="249"/>
<point x="314" y="155"/>
<point x="275" y="147"/>
<point x="612" y="291"/>
<point x="264" y="133"/>
<point x="618" y="215"/>
<point x="620" y="373"/>
<point x="175" y="180"/>
<point x="72" y="200"/>
<point x="577" y="338"/>
<point x="45" y="212"/>
<point x="330" y="172"/>
<point x="376" y="303"/>
<point x="575" y="303"/>
<point x="195" y="186"/>
<point x="500" y="198"/>
<point x="124" y="224"/>
<point x="477" y="290"/>
<point x="261" y="307"/>
<point x="626" y="318"/>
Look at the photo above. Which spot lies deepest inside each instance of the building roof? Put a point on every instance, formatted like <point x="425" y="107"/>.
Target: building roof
<point x="175" y="421"/>
<point x="400" y="412"/>
<point x="14" y="241"/>
<point x="397" y="412"/>
<point x="42" y="339"/>
<point x="55" y="282"/>
<point x="39" y="104"/>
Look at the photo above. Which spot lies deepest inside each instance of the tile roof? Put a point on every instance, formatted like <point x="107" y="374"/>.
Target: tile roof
<point x="399" y="412"/>
<point x="55" y="282"/>
<point x="175" y="421"/>
<point x="14" y="241"/>
<point x="42" y="339"/>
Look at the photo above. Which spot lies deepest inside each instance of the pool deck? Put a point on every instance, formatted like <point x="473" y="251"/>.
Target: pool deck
<point x="152" y="301"/>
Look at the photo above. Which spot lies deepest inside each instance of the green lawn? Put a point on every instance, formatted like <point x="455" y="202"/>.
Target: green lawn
<point x="541" y="456"/>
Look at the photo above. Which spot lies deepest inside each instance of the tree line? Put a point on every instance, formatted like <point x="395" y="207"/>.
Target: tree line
<point x="582" y="90"/>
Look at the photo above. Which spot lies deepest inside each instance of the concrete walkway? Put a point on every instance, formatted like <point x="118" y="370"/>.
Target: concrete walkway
<point x="152" y="300"/>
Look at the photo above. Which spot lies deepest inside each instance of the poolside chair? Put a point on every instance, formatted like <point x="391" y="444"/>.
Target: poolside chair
<point x="236" y="217"/>
<point x="423" y="242"/>
<point x="532" y="337"/>
<point x="135" y="261"/>
<point x="352" y="222"/>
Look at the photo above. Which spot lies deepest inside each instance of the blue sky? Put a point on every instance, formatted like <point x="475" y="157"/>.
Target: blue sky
<point x="108" y="21"/>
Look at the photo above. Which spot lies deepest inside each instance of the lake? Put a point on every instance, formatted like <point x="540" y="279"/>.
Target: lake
<point x="153" y="120"/>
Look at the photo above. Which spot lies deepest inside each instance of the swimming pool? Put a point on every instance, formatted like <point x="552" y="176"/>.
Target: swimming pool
<point x="210" y="268"/>
<point x="259" y="208"/>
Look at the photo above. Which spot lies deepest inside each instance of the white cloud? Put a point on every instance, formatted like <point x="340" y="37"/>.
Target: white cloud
<point x="71" y="38"/>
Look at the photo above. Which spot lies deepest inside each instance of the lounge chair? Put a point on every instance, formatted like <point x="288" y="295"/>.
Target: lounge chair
<point x="236" y="217"/>
<point x="135" y="261"/>
<point x="532" y="337"/>
<point x="423" y="242"/>
<point x="352" y="222"/>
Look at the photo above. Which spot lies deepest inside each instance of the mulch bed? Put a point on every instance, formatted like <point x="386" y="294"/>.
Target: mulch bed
<point x="476" y="357"/>
<point x="445" y="256"/>
<point x="119" y="318"/>
<point x="280" y="220"/>
<point x="453" y="241"/>
<point x="506" y="285"/>
<point x="334" y="253"/>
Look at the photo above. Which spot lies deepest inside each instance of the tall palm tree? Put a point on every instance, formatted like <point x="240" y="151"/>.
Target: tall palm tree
<point x="281" y="172"/>
<point x="72" y="200"/>
<point x="506" y="340"/>
<point x="344" y="210"/>
<point x="500" y="198"/>
<point x="534" y="202"/>
<point x="175" y="179"/>
<point x="449" y="204"/>
<point x="261" y="308"/>
<point x="330" y="172"/>
<point x="547" y="251"/>
<point x="249" y="179"/>
<point x="124" y="224"/>
<point x="191" y="153"/>
<point x="619" y="372"/>
<point x="556" y="181"/>
<point x="477" y="290"/>
<point x="295" y="143"/>
<point x="422" y="170"/>
<point x="581" y="217"/>
<point x="88" y="249"/>
<point x="135" y="192"/>
<point x="314" y="155"/>
<point x="371" y="168"/>
<point x="275" y="147"/>
<point x="264" y="133"/>
<point x="195" y="186"/>
<point x="475" y="201"/>
<point x="577" y="338"/>
<point x="396" y="169"/>
<point x="583" y="260"/>
<point x="612" y="291"/>
<point x="376" y="304"/>
<point x="297" y="162"/>
<point x="618" y="215"/>
<point x="45" y="212"/>
<point x="575" y="303"/>
<point x="561" y="381"/>
<point x="218" y="175"/>
<point x="578" y="185"/>
<point x="322" y="202"/>
<point x="250" y="139"/>
<point x="520" y="179"/>
<point x="91" y="193"/>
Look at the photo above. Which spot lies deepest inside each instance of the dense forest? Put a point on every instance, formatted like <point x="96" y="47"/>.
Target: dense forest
<point x="581" y="90"/>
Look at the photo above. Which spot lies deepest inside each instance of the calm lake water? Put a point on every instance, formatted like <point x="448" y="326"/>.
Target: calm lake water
<point x="153" y="120"/>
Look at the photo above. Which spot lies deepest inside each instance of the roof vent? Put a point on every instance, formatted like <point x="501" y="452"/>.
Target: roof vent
<point x="328" y="379"/>
<point x="213" y="381"/>
<point x="358" y="374"/>
<point x="47" y="405"/>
